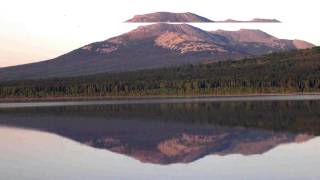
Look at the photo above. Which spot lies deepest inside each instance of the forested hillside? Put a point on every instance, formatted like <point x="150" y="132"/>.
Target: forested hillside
<point x="296" y="71"/>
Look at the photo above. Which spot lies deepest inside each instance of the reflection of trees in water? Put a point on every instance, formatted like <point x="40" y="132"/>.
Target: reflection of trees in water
<point x="293" y="116"/>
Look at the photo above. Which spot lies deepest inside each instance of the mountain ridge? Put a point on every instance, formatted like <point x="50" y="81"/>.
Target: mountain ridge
<point x="168" y="17"/>
<point x="188" y="17"/>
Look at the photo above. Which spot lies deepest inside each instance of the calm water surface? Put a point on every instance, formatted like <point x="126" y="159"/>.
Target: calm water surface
<point x="260" y="138"/>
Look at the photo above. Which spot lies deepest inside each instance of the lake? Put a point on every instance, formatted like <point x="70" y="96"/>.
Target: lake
<point x="272" y="137"/>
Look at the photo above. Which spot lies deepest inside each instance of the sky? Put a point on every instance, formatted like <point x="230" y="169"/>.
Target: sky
<point x="36" y="30"/>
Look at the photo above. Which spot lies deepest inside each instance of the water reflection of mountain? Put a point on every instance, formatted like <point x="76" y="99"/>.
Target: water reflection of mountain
<point x="176" y="133"/>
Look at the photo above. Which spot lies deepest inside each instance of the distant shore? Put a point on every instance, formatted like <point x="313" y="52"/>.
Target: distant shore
<point x="113" y="98"/>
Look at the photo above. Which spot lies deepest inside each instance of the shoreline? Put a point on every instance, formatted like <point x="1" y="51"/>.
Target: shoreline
<point x="118" y="99"/>
<point x="103" y="98"/>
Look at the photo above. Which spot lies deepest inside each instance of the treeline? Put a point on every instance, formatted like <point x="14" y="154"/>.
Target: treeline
<point x="287" y="72"/>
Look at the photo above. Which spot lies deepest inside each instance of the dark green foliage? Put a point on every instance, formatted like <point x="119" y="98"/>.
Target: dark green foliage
<point x="296" y="71"/>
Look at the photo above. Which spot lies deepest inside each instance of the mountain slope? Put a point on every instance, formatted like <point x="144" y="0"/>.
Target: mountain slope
<point x="258" y="36"/>
<point x="287" y="72"/>
<point x="168" y="17"/>
<point x="153" y="46"/>
<point x="262" y="42"/>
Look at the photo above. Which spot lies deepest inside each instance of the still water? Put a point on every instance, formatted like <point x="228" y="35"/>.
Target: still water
<point x="262" y="138"/>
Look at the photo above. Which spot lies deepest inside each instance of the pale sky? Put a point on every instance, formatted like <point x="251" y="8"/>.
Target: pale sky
<point x="36" y="30"/>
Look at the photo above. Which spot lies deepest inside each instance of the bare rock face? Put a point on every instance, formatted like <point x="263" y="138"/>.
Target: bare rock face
<point x="168" y="17"/>
<point x="185" y="44"/>
<point x="105" y="48"/>
<point x="299" y="44"/>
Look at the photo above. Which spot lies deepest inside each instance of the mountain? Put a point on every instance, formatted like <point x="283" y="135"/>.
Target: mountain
<point x="255" y="20"/>
<point x="260" y="20"/>
<point x="154" y="46"/>
<point x="159" y="17"/>
<point x="168" y="17"/>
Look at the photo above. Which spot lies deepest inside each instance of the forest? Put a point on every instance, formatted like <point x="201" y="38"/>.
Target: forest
<point x="286" y="72"/>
